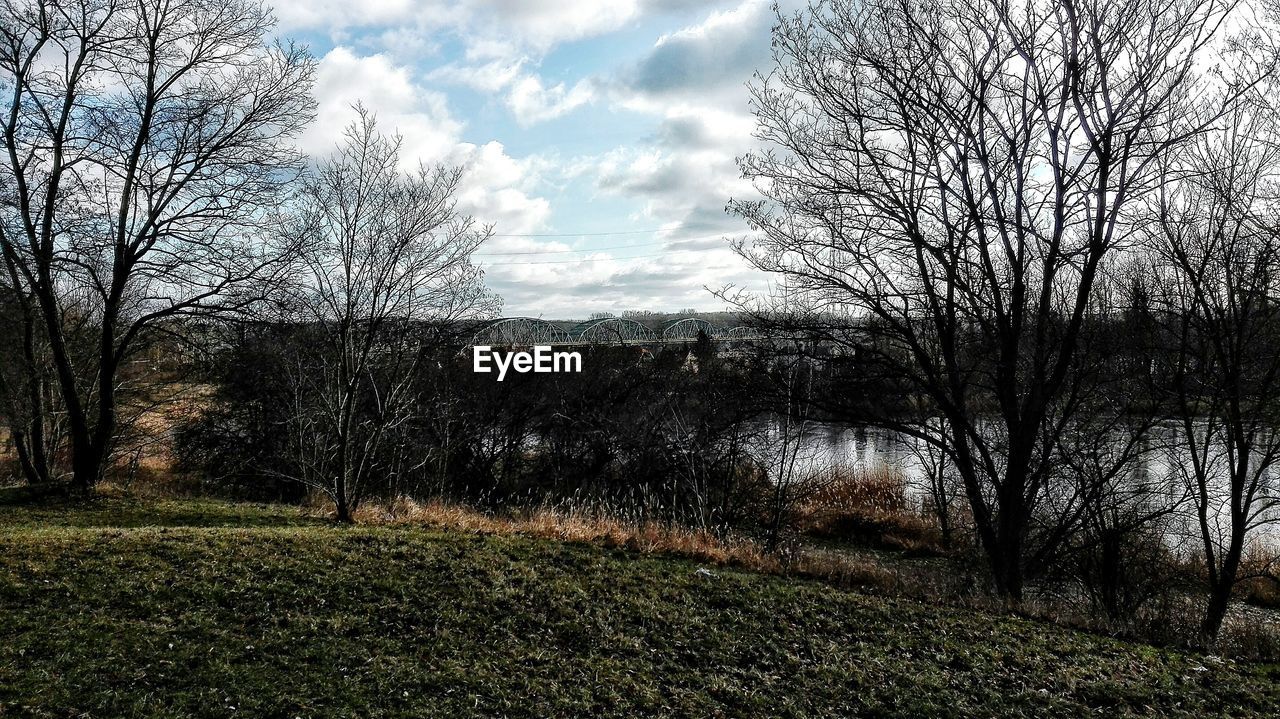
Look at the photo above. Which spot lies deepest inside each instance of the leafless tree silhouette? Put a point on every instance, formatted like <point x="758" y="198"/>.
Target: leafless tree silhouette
<point x="1215" y="234"/>
<point x="943" y="182"/>
<point x="145" y="145"/>
<point x="383" y="252"/>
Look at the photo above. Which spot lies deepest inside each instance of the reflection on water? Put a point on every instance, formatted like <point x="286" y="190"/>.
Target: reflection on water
<point x="1163" y="467"/>
<point x="860" y="449"/>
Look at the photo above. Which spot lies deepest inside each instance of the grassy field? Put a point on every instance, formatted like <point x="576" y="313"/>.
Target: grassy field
<point x="178" y="609"/>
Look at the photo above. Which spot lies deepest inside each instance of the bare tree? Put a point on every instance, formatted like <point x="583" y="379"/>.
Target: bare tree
<point x="385" y="255"/>
<point x="144" y="145"/>
<point x="26" y="403"/>
<point x="1216" y="235"/>
<point x="790" y="462"/>
<point x="1118" y="550"/>
<point x="940" y="486"/>
<point x="942" y="185"/>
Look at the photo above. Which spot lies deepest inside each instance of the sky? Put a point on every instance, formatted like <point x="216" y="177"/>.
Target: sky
<point x="599" y="137"/>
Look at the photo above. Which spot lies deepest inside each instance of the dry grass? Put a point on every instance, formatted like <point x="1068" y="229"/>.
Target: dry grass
<point x="1261" y="591"/>
<point x="649" y="537"/>
<point x="868" y="507"/>
<point x="1261" y="571"/>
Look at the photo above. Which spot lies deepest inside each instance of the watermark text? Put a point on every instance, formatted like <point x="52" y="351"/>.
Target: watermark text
<point x="542" y="359"/>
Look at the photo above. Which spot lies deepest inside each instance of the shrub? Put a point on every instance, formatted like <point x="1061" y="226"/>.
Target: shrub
<point x="1123" y="566"/>
<point x="869" y="507"/>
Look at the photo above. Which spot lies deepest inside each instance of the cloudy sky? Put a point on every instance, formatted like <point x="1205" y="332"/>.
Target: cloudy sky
<point x="599" y="135"/>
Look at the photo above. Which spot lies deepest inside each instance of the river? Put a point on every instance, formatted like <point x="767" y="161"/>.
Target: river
<point x="1162" y="469"/>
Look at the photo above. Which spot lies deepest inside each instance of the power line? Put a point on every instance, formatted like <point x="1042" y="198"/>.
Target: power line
<point x="561" y="252"/>
<point x="594" y="259"/>
<point x="585" y="234"/>
<point x="669" y="241"/>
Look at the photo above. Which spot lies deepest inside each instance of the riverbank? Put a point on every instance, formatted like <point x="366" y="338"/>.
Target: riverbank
<point x="204" y="608"/>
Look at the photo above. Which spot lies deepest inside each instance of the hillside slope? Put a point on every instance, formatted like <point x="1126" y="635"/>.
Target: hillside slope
<point x="206" y="609"/>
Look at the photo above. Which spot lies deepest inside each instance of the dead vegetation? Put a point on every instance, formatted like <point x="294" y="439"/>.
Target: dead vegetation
<point x="871" y="508"/>
<point x="593" y="526"/>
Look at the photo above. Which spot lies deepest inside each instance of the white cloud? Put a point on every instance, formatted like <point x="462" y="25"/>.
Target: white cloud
<point x="489" y="77"/>
<point x="496" y="188"/>
<point x="540" y="24"/>
<point x="489" y="28"/>
<point x="690" y="82"/>
<point x="600" y="282"/>
<point x="420" y="116"/>
<point x="532" y="102"/>
<point x="341" y="14"/>
<point x="693" y="82"/>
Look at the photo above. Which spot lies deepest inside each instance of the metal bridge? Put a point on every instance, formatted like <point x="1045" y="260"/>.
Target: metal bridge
<point x="529" y="331"/>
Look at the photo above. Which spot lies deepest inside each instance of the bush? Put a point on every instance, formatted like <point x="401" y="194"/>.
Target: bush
<point x="1124" y="564"/>
<point x="868" y="507"/>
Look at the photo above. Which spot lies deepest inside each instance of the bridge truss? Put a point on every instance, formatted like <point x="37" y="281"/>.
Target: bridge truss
<point x="520" y="332"/>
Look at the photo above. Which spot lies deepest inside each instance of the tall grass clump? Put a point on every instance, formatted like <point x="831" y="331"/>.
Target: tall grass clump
<point x="871" y="507"/>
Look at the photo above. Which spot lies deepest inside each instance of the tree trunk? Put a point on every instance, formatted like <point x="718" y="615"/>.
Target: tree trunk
<point x="90" y="448"/>
<point x="1007" y="571"/>
<point x="343" y="505"/>
<point x="1219" y="600"/>
<point x="30" y="455"/>
<point x="29" y="437"/>
<point x="1222" y="586"/>
<point x="85" y="468"/>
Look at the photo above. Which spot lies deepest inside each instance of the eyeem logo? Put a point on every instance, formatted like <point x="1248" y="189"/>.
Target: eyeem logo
<point x="542" y="359"/>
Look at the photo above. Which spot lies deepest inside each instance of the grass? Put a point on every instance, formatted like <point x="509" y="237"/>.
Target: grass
<point x="649" y="537"/>
<point x="200" y="608"/>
